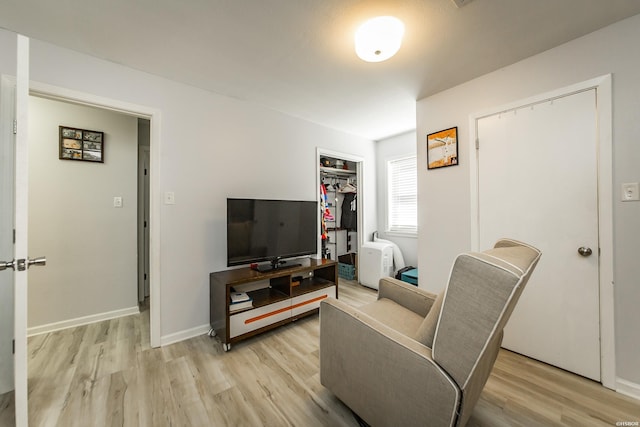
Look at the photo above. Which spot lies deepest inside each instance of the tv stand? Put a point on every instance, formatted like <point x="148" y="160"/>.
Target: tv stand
<point x="279" y="296"/>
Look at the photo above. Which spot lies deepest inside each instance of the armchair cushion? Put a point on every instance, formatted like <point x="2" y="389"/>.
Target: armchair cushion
<point x="427" y="329"/>
<point x="394" y="316"/>
<point x="409" y="296"/>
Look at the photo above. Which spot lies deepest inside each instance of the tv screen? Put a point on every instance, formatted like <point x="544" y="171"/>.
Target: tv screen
<point x="267" y="230"/>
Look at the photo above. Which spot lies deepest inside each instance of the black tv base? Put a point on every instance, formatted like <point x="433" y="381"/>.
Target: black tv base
<point x="276" y="265"/>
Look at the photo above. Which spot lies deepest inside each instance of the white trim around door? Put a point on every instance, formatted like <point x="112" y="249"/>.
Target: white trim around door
<point x="67" y="95"/>
<point x="359" y="161"/>
<point x="602" y="85"/>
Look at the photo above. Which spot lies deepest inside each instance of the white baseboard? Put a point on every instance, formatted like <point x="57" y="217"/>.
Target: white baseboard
<point x="628" y="388"/>
<point x="184" y="335"/>
<point x="72" y="323"/>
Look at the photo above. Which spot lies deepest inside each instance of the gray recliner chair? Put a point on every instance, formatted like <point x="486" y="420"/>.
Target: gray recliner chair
<point x="413" y="358"/>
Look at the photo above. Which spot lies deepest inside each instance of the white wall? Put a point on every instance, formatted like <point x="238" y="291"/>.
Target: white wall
<point x="445" y="226"/>
<point x="90" y="245"/>
<point x="211" y="147"/>
<point x="388" y="149"/>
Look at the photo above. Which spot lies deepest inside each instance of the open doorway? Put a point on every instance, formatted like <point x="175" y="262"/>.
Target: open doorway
<point x="152" y="117"/>
<point x="83" y="213"/>
<point x="340" y="184"/>
<point x="153" y="225"/>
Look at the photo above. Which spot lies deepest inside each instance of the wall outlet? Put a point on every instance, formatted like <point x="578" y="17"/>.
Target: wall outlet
<point x="630" y="192"/>
<point x="117" y="202"/>
<point x="169" y="198"/>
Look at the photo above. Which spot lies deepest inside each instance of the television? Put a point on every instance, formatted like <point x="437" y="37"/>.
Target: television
<point x="270" y="230"/>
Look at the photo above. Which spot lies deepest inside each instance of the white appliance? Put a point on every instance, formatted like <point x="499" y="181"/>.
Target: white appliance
<point x="376" y="261"/>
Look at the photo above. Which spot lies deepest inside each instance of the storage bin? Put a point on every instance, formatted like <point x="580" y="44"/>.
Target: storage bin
<point x="410" y="276"/>
<point x="347" y="271"/>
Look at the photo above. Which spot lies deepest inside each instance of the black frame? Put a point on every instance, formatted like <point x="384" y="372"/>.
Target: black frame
<point x="81" y="144"/>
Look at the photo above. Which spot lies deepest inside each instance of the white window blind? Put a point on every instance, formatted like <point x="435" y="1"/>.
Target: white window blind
<point x="403" y="195"/>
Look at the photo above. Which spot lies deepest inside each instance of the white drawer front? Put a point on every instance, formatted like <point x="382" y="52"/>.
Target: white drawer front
<point x="250" y="320"/>
<point x="310" y="301"/>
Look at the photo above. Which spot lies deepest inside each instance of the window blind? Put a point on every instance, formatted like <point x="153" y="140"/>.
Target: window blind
<point x="403" y="195"/>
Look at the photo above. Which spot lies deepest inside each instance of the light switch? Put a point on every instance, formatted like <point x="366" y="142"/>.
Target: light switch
<point x="117" y="202"/>
<point x="630" y="192"/>
<point x="169" y="198"/>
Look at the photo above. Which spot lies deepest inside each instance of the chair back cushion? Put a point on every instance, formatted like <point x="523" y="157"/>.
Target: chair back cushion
<point x="481" y="294"/>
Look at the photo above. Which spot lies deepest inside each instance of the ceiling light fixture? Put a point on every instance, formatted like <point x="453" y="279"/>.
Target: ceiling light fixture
<point x="379" y="38"/>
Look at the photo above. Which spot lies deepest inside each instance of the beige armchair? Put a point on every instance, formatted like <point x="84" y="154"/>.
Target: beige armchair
<point x="412" y="358"/>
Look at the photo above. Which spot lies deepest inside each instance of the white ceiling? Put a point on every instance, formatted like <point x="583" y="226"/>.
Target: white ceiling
<point x="296" y="56"/>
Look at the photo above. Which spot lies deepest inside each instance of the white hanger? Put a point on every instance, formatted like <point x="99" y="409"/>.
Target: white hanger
<point x="348" y="188"/>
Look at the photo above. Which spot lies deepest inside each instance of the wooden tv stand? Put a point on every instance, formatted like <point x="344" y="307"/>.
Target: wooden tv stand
<point x="277" y="299"/>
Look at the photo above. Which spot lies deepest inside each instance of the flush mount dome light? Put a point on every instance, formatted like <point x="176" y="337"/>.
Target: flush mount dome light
<point x="379" y="38"/>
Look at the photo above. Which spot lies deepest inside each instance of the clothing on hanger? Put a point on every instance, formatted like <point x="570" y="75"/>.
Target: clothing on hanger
<point x="324" y="209"/>
<point x="349" y="217"/>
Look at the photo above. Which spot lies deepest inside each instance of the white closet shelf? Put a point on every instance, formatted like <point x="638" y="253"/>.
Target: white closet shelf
<point x="334" y="171"/>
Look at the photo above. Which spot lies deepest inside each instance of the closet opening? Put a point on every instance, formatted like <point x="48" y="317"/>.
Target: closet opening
<point x="340" y="182"/>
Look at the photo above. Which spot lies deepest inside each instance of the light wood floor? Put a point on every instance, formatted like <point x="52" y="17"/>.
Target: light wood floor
<point x="106" y="374"/>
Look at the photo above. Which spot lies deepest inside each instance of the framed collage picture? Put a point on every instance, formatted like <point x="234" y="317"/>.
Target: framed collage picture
<point x="442" y="148"/>
<point x="81" y="144"/>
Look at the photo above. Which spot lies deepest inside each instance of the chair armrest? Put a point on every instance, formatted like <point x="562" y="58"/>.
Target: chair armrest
<point x="409" y="296"/>
<point x="385" y="377"/>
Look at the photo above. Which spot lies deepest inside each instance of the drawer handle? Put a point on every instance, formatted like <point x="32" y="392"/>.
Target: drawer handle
<point x="282" y="310"/>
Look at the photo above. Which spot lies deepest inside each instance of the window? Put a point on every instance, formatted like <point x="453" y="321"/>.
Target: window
<point x="402" y="196"/>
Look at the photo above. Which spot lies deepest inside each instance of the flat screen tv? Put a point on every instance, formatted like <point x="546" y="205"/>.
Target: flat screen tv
<point x="270" y="230"/>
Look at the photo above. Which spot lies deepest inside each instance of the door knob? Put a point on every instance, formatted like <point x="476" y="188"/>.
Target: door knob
<point x="37" y="261"/>
<point x="22" y="264"/>
<point x="8" y="264"/>
<point x="585" y="252"/>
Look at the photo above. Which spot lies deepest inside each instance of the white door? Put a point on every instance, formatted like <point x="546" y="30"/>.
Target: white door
<point x="18" y="263"/>
<point x="7" y="158"/>
<point x="537" y="182"/>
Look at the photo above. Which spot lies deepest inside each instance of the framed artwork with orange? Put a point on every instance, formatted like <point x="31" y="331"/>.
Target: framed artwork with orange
<point x="442" y="148"/>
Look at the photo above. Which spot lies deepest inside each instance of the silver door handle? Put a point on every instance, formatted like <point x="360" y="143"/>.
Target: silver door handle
<point x="585" y="252"/>
<point x="8" y="264"/>
<point x="22" y="264"/>
<point x="37" y="261"/>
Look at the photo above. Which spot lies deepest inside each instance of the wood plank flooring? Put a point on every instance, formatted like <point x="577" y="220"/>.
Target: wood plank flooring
<point x="105" y="374"/>
<point x="7" y="417"/>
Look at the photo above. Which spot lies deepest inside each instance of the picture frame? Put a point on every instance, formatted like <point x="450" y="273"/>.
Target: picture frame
<point x="81" y="144"/>
<point x="442" y="148"/>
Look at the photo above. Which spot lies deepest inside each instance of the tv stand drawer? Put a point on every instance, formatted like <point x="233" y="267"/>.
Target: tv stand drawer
<point x="250" y="320"/>
<point x="311" y="301"/>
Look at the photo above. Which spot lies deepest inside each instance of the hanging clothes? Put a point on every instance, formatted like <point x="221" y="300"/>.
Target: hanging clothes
<point x="324" y="209"/>
<point x="327" y="215"/>
<point x="349" y="217"/>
